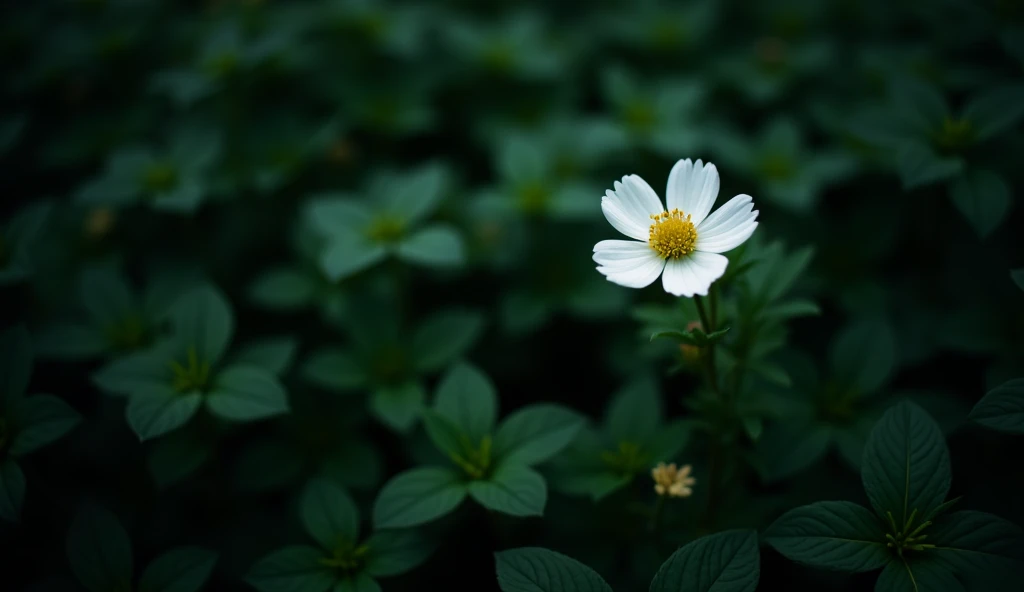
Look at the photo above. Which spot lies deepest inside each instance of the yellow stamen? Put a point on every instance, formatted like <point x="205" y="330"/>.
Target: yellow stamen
<point x="672" y="234"/>
<point x="672" y="481"/>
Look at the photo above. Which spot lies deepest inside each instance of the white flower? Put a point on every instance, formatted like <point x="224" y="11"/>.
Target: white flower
<point x="682" y="240"/>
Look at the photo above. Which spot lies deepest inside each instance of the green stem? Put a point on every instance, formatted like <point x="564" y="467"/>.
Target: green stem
<point x="655" y="522"/>
<point x="710" y="357"/>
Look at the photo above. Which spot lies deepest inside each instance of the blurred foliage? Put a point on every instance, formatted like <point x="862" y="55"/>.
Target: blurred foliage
<point x="299" y="295"/>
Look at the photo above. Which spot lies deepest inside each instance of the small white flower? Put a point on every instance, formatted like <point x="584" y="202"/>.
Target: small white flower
<point x="683" y="240"/>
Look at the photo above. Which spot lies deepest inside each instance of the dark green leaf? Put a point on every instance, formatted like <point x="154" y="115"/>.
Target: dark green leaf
<point x="725" y="562"/>
<point x="360" y="582"/>
<point x="467" y="398"/>
<point x="635" y="413"/>
<point x="789" y="448"/>
<point x="246" y="393"/>
<point x="283" y="289"/>
<point x="290" y="570"/>
<point x="1002" y="408"/>
<point x="398" y="407"/>
<point x="1017" y="275"/>
<point x="535" y="433"/>
<point x="983" y="197"/>
<point x="831" y="535"/>
<point x="347" y="256"/>
<point x="394" y="552"/>
<point x="69" y="341"/>
<point x="436" y="246"/>
<point x="177" y="456"/>
<point x="202" y="319"/>
<point x="335" y="369"/>
<point x="106" y="295"/>
<point x="863" y="355"/>
<point x="512" y="489"/>
<point x="180" y="570"/>
<point x="917" y="575"/>
<point x="971" y="542"/>
<point x="995" y="110"/>
<point x="906" y="464"/>
<point x="39" y="420"/>
<point x="418" y="496"/>
<point x="329" y="514"/>
<point x="99" y="551"/>
<point x="919" y="165"/>
<point x="158" y="411"/>
<point x="16" y="360"/>
<point x="448" y="437"/>
<point x="274" y="355"/>
<point x="532" y="569"/>
<point x="140" y="372"/>
<point x="444" y="337"/>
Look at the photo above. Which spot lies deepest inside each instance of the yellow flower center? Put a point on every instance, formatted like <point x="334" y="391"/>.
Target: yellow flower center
<point x="672" y="234"/>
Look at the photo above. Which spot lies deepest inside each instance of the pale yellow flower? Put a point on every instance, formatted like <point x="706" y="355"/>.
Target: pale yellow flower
<point x="673" y="481"/>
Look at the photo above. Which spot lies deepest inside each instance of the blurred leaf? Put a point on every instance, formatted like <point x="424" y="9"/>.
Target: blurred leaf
<point x="334" y="369"/>
<point x="1002" y="408"/>
<point x="437" y="246"/>
<point x="789" y="448"/>
<point x="157" y="411"/>
<point x="184" y="569"/>
<point x="445" y="336"/>
<point x="12" y="490"/>
<point x="467" y="398"/>
<point x="906" y="464"/>
<point x="919" y="165"/>
<point x="273" y="355"/>
<point x="535" y="433"/>
<point x="400" y="406"/>
<point x="635" y="413"/>
<point x="246" y="393"/>
<point x="202" y="319"/>
<point x="176" y="457"/>
<point x="329" y="514"/>
<point x="532" y="569"/>
<point x="831" y="535"/>
<point x="418" y="496"/>
<point x="39" y="420"/>
<point x="16" y="361"/>
<point x="728" y="561"/>
<point x="983" y="198"/>
<point x="1017" y="275"/>
<point x="863" y="355"/>
<point x="99" y="551"/>
<point x="513" y="489"/>
<point x="394" y="552"/>
<point x="346" y="256"/>
<point x="912" y="574"/>
<point x="291" y="569"/>
<point x="995" y="110"/>
<point x="283" y="289"/>
<point x="972" y="542"/>
<point x="446" y="435"/>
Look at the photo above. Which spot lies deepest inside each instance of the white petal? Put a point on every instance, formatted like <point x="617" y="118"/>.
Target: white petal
<point x="692" y="188"/>
<point x="628" y="263"/>
<point x="740" y="204"/>
<point x="630" y="205"/>
<point x="693" y="274"/>
<point x="728" y="227"/>
<point x="726" y="241"/>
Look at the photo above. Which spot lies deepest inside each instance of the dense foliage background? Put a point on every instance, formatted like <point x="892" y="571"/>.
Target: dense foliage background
<point x="262" y="257"/>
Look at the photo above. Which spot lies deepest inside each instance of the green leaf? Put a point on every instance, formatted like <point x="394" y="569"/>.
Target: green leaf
<point x="335" y="369"/>
<point x="920" y="103"/>
<point x="291" y="569"/>
<point x="177" y="456"/>
<point x="792" y="308"/>
<point x="69" y="341"/>
<point x="448" y="437"/>
<point x="635" y="413"/>
<point x="39" y="420"/>
<point x="329" y="514"/>
<point x="334" y="214"/>
<point x="995" y="110"/>
<point x="695" y="337"/>
<point x="99" y="551"/>
<point x="158" y="411"/>
<point x="283" y="289"/>
<point x="439" y="245"/>
<point x="348" y="255"/>
<point x="106" y="295"/>
<point x="1002" y="408"/>
<point x="274" y="355"/>
<point x="467" y="397"/>
<point x="532" y="569"/>
<point x="919" y="165"/>
<point x="917" y="575"/>
<point x="971" y="542"/>
<point x="724" y="562"/>
<point x="983" y="197"/>
<point x="139" y="372"/>
<point x="863" y="355"/>
<point x="398" y="407"/>
<point x="513" y="489"/>
<point x="830" y="535"/>
<point x="202" y="319"/>
<point x="246" y="393"/>
<point x="789" y="448"/>
<point x="535" y="433"/>
<point x="394" y="552"/>
<point x="418" y="496"/>
<point x="12" y="490"/>
<point x="15" y="362"/>
<point x="1017" y="275"/>
<point x="906" y="464"/>
<point x="444" y="337"/>
<point x="415" y="195"/>
<point x="179" y="570"/>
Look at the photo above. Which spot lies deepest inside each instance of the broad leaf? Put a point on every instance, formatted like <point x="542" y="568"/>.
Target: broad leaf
<point x="283" y="289"/>
<point x="973" y="542"/>
<point x="360" y="582"/>
<point x="246" y="393"/>
<point x="917" y="574"/>
<point x="724" y="562"/>
<point x="348" y="255"/>
<point x="444" y="337"/>
<point x="919" y="165"/>
<point x="439" y="245"/>
<point x="158" y="411"/>
<point x="329" y="514"/>
<point x="863" y="355"/>
<point x="39" y="420"/>
<point x="1002" y="408"/>
<point x="139" y="372"/>
<point x="532" y="569"/>
<point x="995" y="111"/>
<point x="467" y="398"/>
<point x="202" y="319"/>
<point x="99" y="551"/>
<point x="445" y="434"/>
<point x="400" y="406"/>
<point x="292" y="569"/>
<point x="335" y="369"/>
<point x="983" y="197"/>
<point x="831" y="535"/>
<point x="635" y="413"/>
<point x="179" y="570"/>
<point x="273" y="355"/>
<point x="394" y="552"/>
<point x="512" y="489"/>
<point x="418" y="496"/>
<point x="906" y="464"/>
<point x="535" y="433"/>
<point x="788" y="448"/>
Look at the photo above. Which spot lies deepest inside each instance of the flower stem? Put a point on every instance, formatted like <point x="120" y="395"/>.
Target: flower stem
<point x="656" y="514"/>
<point x="708" y="328"/>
